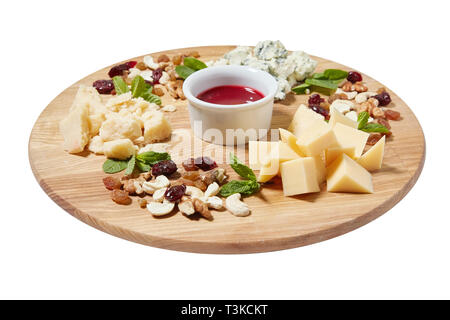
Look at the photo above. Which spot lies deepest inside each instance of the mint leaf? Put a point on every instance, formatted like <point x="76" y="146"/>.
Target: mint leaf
<point x="142" y="166"/>
<point x="363" y="117"/>
<point x="244" y="187"/>
<point x="320" y="75"/>
<point x="151" y="157"/>
<point x="114" y="165"/>
<point x="139" y="86"/>
<point x="335" y="74"/>
<point x="131" y="165"/>
<point x="184" y="71"/>
<point x="150" y="97"/>
<point x="301" y="89"/>
<point x="375" y="127"/>
<point x="241" y="169"/>
<point x="322" y="83"/>
<point x="119" y="85"/>
<point x="194" y="64"/>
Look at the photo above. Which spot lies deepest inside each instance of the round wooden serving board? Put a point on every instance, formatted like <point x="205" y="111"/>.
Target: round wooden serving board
<point x="75" y="183"/>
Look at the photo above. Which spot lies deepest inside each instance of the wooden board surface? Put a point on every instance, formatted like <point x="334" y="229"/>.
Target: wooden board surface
<point x="75" y="183"/>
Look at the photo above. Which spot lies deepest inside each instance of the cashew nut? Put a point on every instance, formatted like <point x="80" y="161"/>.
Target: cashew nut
<point x="350" y="95"/>
<point x="212" y="190"/>
<point x="363" y="96"/>
<point x="214" y="202"/>
<point x="158" y="195"/>
<point x="194" y="192"/>
<point x="138" y="187"/>
<point x="160" y="208"/>
<point x="236" y="206"/>
<point x="151" y="186"/>
<point x="186" y="206"/>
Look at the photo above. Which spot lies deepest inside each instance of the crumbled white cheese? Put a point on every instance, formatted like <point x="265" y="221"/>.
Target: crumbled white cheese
<point x="238" y="55"/>
<point x="342" y="106"/>
<point x="134" y="72"/>
<point x="169" y="108"/>
<point x="283" y="89"/>
<point x="147" y="75"/>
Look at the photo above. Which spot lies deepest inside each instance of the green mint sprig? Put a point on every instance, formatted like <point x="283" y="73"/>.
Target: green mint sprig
<point x="143" y="162"/>
<point x="363" y="124"/>
<point x="324" y="82"/>
<point x="190" y="65"/>
<point x="245" y="187"/>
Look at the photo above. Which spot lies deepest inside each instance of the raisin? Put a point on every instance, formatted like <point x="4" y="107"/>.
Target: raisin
<point x="205" y="163"/>
<point x="200" y="184"/>
<point x="189" y="164"/>
<point x="104" y="86"/>
<point x="354" y="76"/>
<point x="157" y="74"/>
<point x="191" y="175"/>
<point x="120" y="197"/>
<point x="175" y="193"/>
<point x="112" y="183"/>
<point x="165" y="167"/>
<point x="384" y="98"/>
<point x="373" y="138"/>
<point x="384" y="122"/>
<point x="392" y="115"/>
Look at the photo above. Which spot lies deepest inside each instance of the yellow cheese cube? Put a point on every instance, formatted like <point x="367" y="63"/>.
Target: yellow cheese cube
<point x="303" y="119"/>
<point x="349" y="137"/>
<point x="317" y="139"/>
<point x="280" y="153"/>
<point x="269" y="170"/>
<point x="291" y="140"/>
<point x="259" y="151"/>
<point x="75" y="129"/>
<point x="373" y="158"/>
<point x="336" y="116"/>
<point x="120" y="149"/>
<point x="321" y="170"/>
<point x="299" y="176"/>
<point x="332" y="153"/>
<point x="345" y="175"/>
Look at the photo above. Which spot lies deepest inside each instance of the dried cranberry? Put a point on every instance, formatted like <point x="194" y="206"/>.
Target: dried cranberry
<point x="165" y="167"/>
<point x="315" y="100"/>
<point x="119" y="69"/>
<point x="104" y="86"/>
<point x="175" y="193"/>
<point x="321" y="111"/>
<point x="157" y="74"/>
<point x="131" y="64"/>
<point x="354" y="76"/>
<point x="189" y="164"/>
<point x="205" y="163"/>
<point x="384" y="98"/>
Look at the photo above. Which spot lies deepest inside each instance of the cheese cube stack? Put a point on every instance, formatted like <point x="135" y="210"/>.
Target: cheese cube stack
<point x="314" y="151"/>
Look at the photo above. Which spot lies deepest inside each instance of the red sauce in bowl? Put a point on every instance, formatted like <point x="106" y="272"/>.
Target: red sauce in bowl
<point x="230" y="94"/>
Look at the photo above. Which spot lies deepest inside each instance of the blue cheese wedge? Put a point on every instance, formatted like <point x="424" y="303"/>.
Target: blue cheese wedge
<point x="238" y="55"/>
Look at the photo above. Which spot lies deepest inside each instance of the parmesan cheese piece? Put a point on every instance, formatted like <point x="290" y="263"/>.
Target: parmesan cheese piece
<point x="156" y="128"/>
<point x="120" y="127"/>
<point x="96" y="145"/>
<point x="299" y="176"/>
<point x="345" y="175"/>
<point x="373" y="158"/>
<point x="120" y="149"/>
<point x="75" y="129"/>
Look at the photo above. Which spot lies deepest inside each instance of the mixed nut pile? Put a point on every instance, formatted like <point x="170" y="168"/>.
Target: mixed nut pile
<point x="193" y="190"/>
<point x="352" y="98"/>
<point x="159" y="73"/>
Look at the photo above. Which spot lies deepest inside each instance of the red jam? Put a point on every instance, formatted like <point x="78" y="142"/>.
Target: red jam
<point x="230" y="94"/>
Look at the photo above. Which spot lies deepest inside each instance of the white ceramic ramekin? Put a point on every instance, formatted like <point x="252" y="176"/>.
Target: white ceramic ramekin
<point x="209" y="119"/>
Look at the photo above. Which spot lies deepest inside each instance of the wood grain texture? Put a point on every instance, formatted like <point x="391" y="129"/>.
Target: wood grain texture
<point x="75" y="183"/>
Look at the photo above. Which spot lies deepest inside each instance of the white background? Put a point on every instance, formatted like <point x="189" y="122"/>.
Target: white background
<point x="48" y="45"/>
